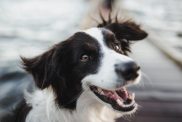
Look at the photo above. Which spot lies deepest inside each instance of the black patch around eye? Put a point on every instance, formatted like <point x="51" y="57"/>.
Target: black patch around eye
<point x="60" y="67"/>
<point x="125" y="31"/>
<point x="111" y="41"/>
<point x="117" y="47"/>
<point x="71" y="70"/>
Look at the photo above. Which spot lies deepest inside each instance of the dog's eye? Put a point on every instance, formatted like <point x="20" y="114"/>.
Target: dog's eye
<point x="84" y="58"/>
<point x="117" y="47"/>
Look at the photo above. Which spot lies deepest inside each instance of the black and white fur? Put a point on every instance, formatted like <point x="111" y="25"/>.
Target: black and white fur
<point x="64" y="74"/>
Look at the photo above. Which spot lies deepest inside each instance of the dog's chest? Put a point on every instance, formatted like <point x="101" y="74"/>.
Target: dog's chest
<point x="44" y="109"/>
<point x="92" y="115"/>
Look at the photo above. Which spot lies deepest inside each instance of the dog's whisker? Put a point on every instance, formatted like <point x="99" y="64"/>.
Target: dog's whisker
<point x="86" y="75"/>
<point x="139" y="107"/>
<point x="147" y="79"/>
<point x="144" y="78"/>
<point x="128" y="117"/>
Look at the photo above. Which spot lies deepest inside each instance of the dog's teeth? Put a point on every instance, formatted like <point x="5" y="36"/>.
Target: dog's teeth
<point x="116" y="94"/>
<point x="129" y="96"/>
<point x="124" y="88"/>
<point x="119" y="102"/>
<point x="102" y="92"/>
<point x="99" y="90"/>
<point x="133" y="95"/>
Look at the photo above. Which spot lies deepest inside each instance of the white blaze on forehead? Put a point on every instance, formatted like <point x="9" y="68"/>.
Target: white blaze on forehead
<point x="96" y="33"/>
<point x="106" y="76"/>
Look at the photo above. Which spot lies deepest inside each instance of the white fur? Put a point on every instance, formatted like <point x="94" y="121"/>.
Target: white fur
<point x="106" y="76"/>
<point x="89" y="108"/>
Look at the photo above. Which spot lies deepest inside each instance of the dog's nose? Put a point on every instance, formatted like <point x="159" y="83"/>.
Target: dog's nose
<point x="127" y="70"/>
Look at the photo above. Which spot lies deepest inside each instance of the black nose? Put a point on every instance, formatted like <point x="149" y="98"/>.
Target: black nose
<point x="127" y="70"/>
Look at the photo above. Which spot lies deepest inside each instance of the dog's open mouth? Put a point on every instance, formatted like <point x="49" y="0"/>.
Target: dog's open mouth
<point x="119" y="99"/>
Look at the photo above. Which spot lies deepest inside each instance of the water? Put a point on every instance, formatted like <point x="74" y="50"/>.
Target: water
<point x="161" y="17"/>
<point x="29" y="27"/>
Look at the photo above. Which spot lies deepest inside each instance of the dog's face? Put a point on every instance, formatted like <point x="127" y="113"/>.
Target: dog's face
<point x="95" y="60"/>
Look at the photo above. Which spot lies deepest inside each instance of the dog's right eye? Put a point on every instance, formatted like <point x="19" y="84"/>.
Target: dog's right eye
<point x="117" y="47"/>
<point x="84" y="58"/>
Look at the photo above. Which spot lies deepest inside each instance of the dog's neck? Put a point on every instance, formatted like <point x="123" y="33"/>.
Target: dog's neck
<point x="88" y="109"/>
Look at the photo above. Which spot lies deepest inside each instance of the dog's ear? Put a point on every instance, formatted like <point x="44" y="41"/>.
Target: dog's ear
<point x="48" y="68"/>
<point x="127" y="30"/>
<point x="124" y="31"/>
<point x="40" y="67"/>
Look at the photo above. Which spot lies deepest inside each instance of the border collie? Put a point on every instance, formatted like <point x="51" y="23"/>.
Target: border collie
<point x="84" y="78"/>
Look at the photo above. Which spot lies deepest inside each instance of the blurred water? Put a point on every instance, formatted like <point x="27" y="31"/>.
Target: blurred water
<point x="29" y="27"/>
<point x="161" y="17"/>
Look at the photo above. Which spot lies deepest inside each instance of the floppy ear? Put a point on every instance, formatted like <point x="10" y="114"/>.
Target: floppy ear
<point x="41" y="67"/>
<point x="127" y="30"/>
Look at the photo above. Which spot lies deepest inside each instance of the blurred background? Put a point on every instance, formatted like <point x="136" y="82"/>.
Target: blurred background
<point x="29" y="27"/>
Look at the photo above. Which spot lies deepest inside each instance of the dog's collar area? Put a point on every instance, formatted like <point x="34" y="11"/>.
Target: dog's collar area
<point x="119" y="99"/>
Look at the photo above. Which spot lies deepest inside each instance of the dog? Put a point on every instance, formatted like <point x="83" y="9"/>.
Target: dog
<point x="84" y="78"/>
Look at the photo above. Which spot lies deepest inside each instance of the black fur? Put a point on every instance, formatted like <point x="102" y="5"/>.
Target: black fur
<point x="112" y="42"/>
<point x="18" y="114"/>
<point x="122" y="35"/>
<point x="61" y="67"/>
<point x="123" y="31"/>
<point x="21" y="111"/>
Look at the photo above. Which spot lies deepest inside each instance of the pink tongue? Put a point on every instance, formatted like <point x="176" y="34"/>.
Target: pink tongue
<point x="123" y="94"/>
<point x="119" y="94"/>
<point x="110" y="94"/>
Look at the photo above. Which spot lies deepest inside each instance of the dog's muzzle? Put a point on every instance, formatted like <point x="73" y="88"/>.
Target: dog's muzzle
<point x="127" y="70"/>
<point x="120" y="99"/>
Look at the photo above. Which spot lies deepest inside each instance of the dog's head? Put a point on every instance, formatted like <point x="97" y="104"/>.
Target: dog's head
<point x="95" y="60"/>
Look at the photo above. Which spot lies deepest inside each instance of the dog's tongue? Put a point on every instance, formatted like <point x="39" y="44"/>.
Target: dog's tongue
<point x="121" y="94"/>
